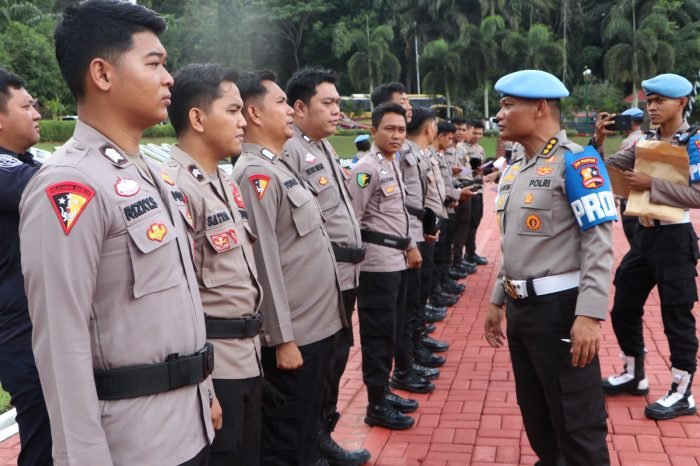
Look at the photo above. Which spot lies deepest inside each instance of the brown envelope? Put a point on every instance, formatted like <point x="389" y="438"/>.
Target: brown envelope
<point x="660" y="160"/>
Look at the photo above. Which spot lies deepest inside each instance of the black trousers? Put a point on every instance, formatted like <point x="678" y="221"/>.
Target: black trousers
<point x="342" y="342"/>
<point x="462" y="225"/>
<point x="475" y="220"/>
<point x="290" y="431"/>
<point x="403" y="350"/>
<point x="427" y="251"/>
<point x="664" y="256"/>
<point x="238" y="441"/>
<point x="20" y="379"/>
<point x="630" y="224"/>
<point x="202" y="459"/>
<point x="562" y="406"/>
<point x="443" y="250"/>
<point x="380" y="306"/>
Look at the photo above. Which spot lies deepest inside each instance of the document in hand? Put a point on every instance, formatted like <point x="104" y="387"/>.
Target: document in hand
<point x="662" y="160"/>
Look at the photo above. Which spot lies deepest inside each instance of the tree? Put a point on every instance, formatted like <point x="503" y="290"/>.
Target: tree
<point x="18" y="11"/>
<point x="535" y="49"/>
<point x="372" y="63"/>
<point x="442" y="63"/>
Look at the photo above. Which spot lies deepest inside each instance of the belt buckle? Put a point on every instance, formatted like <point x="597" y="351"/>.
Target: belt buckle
<point x="510" y="289"/>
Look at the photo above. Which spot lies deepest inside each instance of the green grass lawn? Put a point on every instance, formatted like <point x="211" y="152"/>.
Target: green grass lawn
<point x="4" y="401"/>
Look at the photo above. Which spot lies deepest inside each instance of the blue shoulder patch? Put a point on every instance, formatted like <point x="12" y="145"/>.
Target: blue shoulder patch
<point x="588" y="188"/>
<point x="693" y="149"/>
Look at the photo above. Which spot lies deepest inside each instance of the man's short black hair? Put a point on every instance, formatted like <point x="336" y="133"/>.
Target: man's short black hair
<point x="8" y="80"/>
<point x="381" y="110"/>
<point x="302" y="84"/>
<point x="98" y="29"/>
<point x="196" y="86"/>
<point x="459" y="121"/>
<point x="421" y="115"/>
<point x="446" y="127"/>
<point x="385" y="92"/>
<point x="251" y="83"/>
<point x="476" y="124"/>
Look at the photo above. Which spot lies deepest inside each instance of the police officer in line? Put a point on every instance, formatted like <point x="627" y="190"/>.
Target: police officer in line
<point x="316" y="104"/>
<point x="474" y="157"/>
<point x="664" y="254"/>
<point x="19" y="131"/>
<point x="630" y="223"/>
<point x="408" y="376"/>
<point x="206" y="112"/>
<point x="302" y="302"/>
<point x="555" y="273"/>
<point x="107" y="263"/>
<point x="378" y="198"/>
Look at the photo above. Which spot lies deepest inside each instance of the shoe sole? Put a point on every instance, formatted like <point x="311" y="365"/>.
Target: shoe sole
<point x="635" y="392"/>
<point x="398" y="386"/>
<point x="435" y="350"/>
<point x="664" y="417"/>
<point x="432" y="365"/>
<point x="375" y="423"/>
<point x="332" y="462"/>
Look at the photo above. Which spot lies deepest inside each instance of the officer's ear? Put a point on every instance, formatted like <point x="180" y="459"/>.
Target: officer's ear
<point x="682" y="102"/>
<point x="542" y="108"/>
<point x="252" y="114"/>
<point x="299" y="108"/>
<point x="196" y="119"/>
<point x="100" y="74"/>
<point x="372" y="131"/>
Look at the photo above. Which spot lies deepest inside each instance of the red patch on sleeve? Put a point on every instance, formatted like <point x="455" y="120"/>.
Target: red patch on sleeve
<point x="260" y="183"/>
<point x="69" y="199"/>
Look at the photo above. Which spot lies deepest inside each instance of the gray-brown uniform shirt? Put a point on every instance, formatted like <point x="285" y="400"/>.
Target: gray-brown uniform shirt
<point x="410" y="167"/>
<point x="317" y="163"/>
<point x="293" y="254"/>
<point x="435" y="193"/>
<point x="540" y="236"/>
<point x="223" y="257"/>
<point x="631" y="138"/>
<point x="110" y="282"/>
<point x="662" y="191"/>
<point x="451" y="191"/>
<point x="378" y="194"/>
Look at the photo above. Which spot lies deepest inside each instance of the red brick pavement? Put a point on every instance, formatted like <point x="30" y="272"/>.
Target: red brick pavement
<point x="472" y="418"/>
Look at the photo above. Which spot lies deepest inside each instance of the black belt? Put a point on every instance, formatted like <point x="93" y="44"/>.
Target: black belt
<point x="233" y="328"/>
<point x="352" y="255"/>
<point x="149" y="379"/>
<point x="416" y="212"/>
<point x="390" y="241"/>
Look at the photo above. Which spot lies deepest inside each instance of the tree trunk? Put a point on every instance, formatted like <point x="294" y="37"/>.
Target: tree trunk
<point x="486" y="100"/>
<point x="447" y="97"/>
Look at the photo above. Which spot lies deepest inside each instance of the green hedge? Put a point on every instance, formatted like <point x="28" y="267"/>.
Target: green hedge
<point x="61" y="131"/>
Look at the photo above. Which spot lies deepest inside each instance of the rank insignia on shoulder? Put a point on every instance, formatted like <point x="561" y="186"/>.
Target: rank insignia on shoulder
<point x="194" y="171"/>
<point x="544" y="171"/>
<point x="363" y="179"/>
<point x="310" y="158"/>
<point x="113" y="155"/>
<point x="533" y="222"/>
<point x="269" y="155"/>
<point x="167" y="179"/>
<point x="156" y="232"/>
<point x="550" y="145"/>
<point x="260" y="183"/>
<point x="68" y="200"/>
<point x="126" y="187"/>
<point x="323" y="181"/>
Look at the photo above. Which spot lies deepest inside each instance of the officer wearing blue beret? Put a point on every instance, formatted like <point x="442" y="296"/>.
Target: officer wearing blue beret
<point x="555" y="273"/>
<point x="663" y="254"/>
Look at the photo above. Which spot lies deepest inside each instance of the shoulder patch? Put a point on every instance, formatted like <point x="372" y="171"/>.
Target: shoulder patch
<point x="69" y="199"/>
<point x="588" y="188"/>
<point x="693" y="149"/>
<point x="363" y="179"/>
<point x="260" y="183"/>
<point x="8" y="162"/>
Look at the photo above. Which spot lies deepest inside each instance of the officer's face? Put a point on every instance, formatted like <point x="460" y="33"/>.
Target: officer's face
<point x="401" y="98"/>
<point x="323" y="112"/>
<point x="445" y="141"/>
<point x="223" y="124"/>
<point x="140" y="84"/>
<point x="19" y="123"/>
<point x="276" y="113"/>
<point x="517" y="118"/>
<point x="662" y="109"/>
<point x="390" y="135"/>
<point x="476" y="135"/>
<point x="462" y="133"/>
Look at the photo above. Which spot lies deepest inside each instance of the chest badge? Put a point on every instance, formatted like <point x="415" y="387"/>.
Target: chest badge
<point x="167" y="179"/>
<point x="237" y="196"/>
<point x="310" y="158"/>
<point x="323" y="181"/>
<point x="544" y="171"/>
<point x="533" y="222"/>
<point x="529" y="197"/>
<point x="126" y="187"/>
<point x="156" y="232"/>
<point x="221" y="242"/>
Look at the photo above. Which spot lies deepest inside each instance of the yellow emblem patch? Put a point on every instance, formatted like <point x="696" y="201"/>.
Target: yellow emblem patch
<point x="323" y="181"/>
<point x="529" y="197"/>
<point x="156" y="232"/>
<point x="533" y="222"/>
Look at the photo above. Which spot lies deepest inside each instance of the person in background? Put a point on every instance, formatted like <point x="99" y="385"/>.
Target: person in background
<point x="362" y="144"/>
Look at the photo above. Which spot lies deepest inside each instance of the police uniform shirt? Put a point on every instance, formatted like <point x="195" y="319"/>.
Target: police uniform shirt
<point x="317" y="163"/>
<point x="110" y="283"/>
<point x="410" y="168"/>
<point x="223" y="257"/>
<point x="435" y="192"/>
<point x="446" y="169"/>
<point x="662" y="191"/>
<point x="15" y="326"/>
<point x="631" y="138"/>
<point x="378" y="199"/>
<point x="293" y="254"/>
<point x="540" y="235"/>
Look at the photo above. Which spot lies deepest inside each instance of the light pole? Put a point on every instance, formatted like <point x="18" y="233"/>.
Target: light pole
<point x="586" y="83"/>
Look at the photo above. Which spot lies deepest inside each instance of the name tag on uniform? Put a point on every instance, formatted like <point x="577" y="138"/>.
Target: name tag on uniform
<point x="588" y="189"/>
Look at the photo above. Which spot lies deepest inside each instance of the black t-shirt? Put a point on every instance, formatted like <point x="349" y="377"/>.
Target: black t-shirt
<point x="15" y="326"/>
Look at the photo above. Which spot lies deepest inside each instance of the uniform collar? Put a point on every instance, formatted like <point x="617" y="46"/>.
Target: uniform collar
<point x="193" y="168"/>
<point x="379" y="156"/>
<point x="27" y="157"/>
<point x="89" y="136"/>
<point x="684" y="126"/>
<point x="307" y="139"/>
<point x="260" y="152"/>
<point x="552" y="144"/>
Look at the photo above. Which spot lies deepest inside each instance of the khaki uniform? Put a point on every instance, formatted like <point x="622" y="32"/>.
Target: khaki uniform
<point x="293" y="253"/>
<point x="631" y="138"/>
<point x="224" y="262"/>
<point x="451" y="191"/>
<point x="378" y="199"/>
<point x="411" y="166"/>
<point x="317" y="163"/>
<point x="435" y="192"/>
<point x="540" y="236"/>
<point x="110" y="282"/>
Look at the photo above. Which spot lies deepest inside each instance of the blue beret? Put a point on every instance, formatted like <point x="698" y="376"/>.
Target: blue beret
<point x="635" y="113"/>
<point x="668" y="85"/>
<point x="362" y="137"/>
<point x="531" y="84"/>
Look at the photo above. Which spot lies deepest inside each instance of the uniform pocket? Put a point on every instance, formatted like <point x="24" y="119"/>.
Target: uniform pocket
<point x="304" y="211"/>
<point x="678" y="285"/>
<point x="582" y="400"/>
<point x="217" y="264"/>
<point x="535" y="215"/>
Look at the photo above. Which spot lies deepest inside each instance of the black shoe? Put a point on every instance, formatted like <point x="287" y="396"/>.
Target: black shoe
<point x="426" y="358"/>
<point x="477" y="259"/>
<point x="430" y="328"/>
<point x="410" y="381"/>
<point x="339" y="456"/>
<point x="440" y="301"/>
<point x="385" y="415"/>
<point x="428" y="373"/>
<point x="454" y="283"/>
<point x="453" y="289"/>
<point x="677" y="402"/>
<point x="433" y="308"/>
<point x="405" y="405"/>
<point x="468" y="264"/>
<point x="436" y="346"/>
<point x="454" y="274"/>
<point x="432" y="317"/>
<point x="464" y="268"/>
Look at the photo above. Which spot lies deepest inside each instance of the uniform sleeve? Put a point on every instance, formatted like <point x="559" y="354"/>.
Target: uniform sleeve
<point x="60" y="271"/>
<point x="13" y="180"/>
<point x="675" y="195"/>
<point x="262" y="218"/>
<point x="596" y="264"/>
<point x="622" y="160"/>
<point x="498" y="295"/>
<point x="361" y="196"/>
